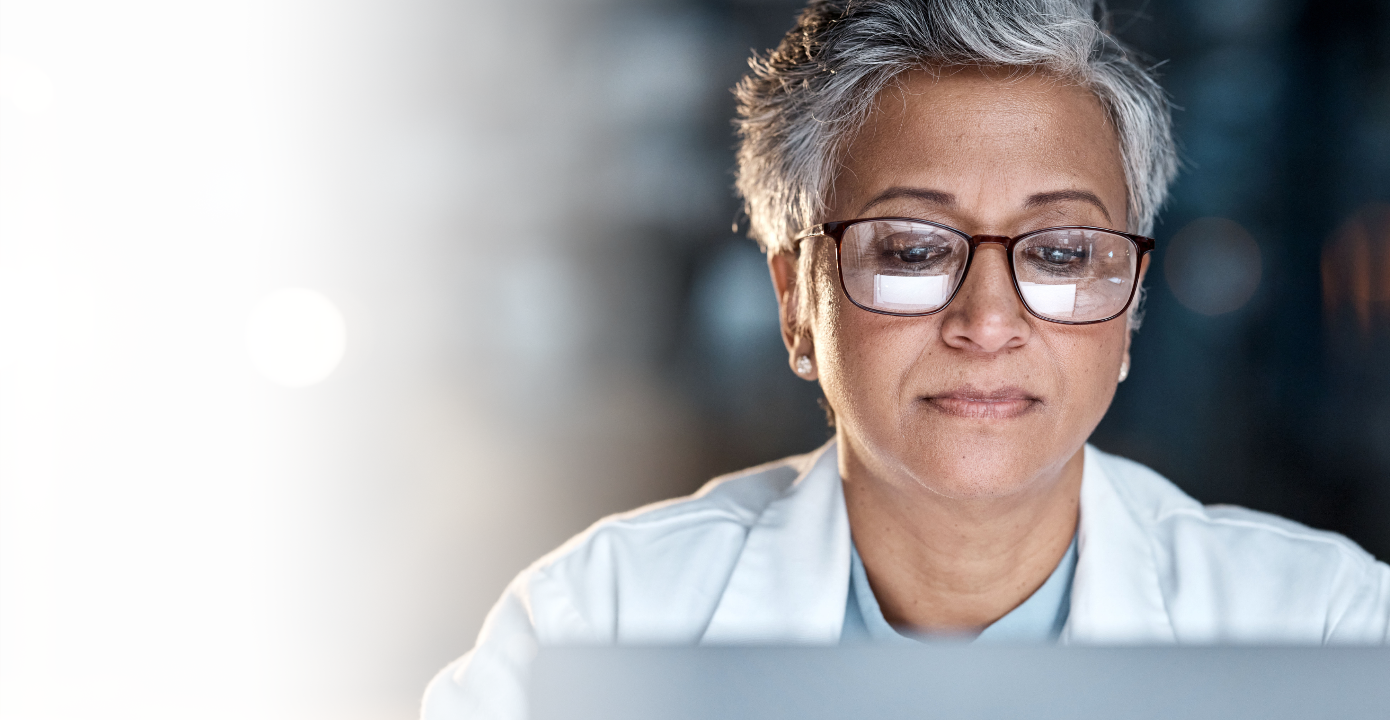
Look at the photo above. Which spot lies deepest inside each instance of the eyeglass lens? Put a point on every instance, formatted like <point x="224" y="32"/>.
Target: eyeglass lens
<point x="1067" y="275"/>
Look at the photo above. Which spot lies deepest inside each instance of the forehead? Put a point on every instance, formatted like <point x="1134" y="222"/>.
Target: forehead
<point x="990" y="138"/>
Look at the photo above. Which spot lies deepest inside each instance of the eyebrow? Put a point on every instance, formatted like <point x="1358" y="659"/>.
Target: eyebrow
<point x="935" y="197"/>
<point x="1057" y="196"/>
<point x="945" y="199"/>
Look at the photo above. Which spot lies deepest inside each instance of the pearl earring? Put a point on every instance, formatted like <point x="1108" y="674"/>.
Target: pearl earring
<point x="1124" y="370"/>
<point x="803" y="365"/>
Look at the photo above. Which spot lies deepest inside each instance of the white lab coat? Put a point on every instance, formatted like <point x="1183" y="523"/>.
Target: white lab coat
<point x="764" y="555"/>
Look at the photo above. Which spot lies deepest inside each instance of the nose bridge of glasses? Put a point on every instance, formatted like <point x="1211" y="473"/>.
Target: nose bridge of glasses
<point x="991" y="270"/>
<point x="978" y="240"/>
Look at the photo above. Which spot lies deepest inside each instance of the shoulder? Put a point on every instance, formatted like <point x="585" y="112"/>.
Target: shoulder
<point x="1171" y="514"/>
<point x="1239" y="572"/>
<point x="654" y="573"/>
<point x="729" y="502"/>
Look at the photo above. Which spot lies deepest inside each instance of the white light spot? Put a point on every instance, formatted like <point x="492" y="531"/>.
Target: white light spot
<point x="1056" y="300"/>
<point x="295" y="337"/>
<point x="910" y="293"/>
<point x="25" y="86"/>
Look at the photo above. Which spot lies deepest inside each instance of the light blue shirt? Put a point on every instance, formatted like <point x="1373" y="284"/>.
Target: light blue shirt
<point x="1039" y="619"/>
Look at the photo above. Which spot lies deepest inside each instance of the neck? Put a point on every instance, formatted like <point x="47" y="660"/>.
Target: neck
<point x="955" y="565"/>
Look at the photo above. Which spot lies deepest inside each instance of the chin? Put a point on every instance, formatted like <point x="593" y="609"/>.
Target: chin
<point x="974" y="468"/>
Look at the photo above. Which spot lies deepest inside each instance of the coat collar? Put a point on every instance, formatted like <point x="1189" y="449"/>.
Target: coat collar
<point x="791" y="580"/>
<point x="1116" y="596"/>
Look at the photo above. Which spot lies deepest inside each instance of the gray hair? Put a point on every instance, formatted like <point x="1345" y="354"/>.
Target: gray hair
<point x="801" y="102"/>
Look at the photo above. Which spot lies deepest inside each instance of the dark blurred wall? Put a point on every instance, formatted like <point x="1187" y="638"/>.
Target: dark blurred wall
<point x="1281" y="404"/>
<point x="1262" y="372"/>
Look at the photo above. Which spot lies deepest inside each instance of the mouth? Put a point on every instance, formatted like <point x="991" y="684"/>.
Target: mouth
<point x="970" y="402"/>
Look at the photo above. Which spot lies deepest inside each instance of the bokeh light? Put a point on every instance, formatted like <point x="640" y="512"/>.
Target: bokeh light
<point x="296" y="337"/>
<point x="25" y="86"/>
<point x="1356" y="268"/>
<point x="1212" y="266"/>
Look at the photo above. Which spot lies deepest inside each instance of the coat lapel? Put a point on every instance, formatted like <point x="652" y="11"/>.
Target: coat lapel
<point x="1115" y="597"/>
<point x="792" y="578"/>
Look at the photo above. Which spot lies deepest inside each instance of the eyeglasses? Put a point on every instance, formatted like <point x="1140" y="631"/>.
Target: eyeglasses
<point x="1074" y="275"/>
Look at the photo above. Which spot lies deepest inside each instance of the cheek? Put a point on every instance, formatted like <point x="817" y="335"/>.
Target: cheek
<point x="865" y="357"/>
<point x="1091" y="360"/>
<point x="837" y="334"/>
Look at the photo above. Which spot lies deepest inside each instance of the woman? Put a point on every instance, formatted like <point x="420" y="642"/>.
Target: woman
<point x="953" y="196"/>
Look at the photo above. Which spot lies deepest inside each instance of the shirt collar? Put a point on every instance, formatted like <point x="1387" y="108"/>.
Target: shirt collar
<point x="1038" y="619"/>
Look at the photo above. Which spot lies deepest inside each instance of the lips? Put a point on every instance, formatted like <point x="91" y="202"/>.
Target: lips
<point x="970" y="402"/>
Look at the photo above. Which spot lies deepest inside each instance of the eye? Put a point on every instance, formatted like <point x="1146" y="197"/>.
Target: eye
<point x="1057" y="255"/>
<point x="917" y="254"/>
<point x="913" y="249"/>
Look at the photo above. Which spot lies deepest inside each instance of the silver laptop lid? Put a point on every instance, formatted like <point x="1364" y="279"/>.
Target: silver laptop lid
<point x="959" y="682"/>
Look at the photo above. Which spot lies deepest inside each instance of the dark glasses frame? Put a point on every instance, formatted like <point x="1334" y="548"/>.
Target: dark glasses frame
<point x="836" y="231"/>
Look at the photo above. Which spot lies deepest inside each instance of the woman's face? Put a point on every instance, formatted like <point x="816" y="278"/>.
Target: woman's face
<point x="981" y="398"/>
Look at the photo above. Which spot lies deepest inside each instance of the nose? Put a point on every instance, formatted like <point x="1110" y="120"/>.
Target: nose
<point x="987" y="316"/>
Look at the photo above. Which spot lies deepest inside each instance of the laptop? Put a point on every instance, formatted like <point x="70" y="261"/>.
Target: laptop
<point x="950" y="682"/>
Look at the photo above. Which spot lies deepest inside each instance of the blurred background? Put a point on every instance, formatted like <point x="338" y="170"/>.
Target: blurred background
<point x="320" y="320"/>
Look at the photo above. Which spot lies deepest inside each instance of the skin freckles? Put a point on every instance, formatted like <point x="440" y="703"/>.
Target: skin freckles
<point x="961" y="433"/>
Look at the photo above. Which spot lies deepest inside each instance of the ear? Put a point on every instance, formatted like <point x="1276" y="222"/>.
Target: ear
<point x="798" y="339"/>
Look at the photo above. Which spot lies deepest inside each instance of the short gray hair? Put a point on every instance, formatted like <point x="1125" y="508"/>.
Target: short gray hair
<point x="801" y="102"/>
